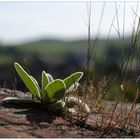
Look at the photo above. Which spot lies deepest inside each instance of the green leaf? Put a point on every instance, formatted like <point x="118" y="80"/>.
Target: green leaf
<point x="56" y="90"/>
<point x="45" y="82"/>
<point x="72" y="79"/>
<point x="28" y="80"/>
<point x="50" y="78"/>
<point x="35" y="81"/>
<point x="72" y="88"/>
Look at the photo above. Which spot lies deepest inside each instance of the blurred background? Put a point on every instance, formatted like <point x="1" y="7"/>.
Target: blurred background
<point x="53" y="36"/>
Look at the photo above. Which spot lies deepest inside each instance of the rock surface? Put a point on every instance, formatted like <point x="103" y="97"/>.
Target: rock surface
<point x="17" y="122"/>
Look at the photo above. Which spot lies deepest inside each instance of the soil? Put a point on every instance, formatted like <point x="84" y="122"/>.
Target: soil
<point x="29" y="122"/>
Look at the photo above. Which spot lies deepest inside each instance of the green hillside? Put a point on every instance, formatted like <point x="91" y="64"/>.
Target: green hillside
<point x="60" y="57"/>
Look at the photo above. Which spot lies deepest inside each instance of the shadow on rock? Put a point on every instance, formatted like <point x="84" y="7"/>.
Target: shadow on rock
<point x="35" y="113"/>
<point x="28" y="105"/>
<point x="37" y="116"/>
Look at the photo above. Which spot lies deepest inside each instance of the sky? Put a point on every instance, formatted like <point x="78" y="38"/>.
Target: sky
<point x="25" y="21"/>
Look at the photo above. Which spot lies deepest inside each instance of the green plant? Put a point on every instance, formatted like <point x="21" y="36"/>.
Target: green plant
<point x="53" y="93"/>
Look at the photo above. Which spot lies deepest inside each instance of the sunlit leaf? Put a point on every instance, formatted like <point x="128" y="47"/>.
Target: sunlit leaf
<point x="56" y="90"/>
<point x="72" y="79"/>
<point x="50" y="78"/>
<point x="72" y="88"/>
<point x="45" y="82"/>
<point x="28" y="80"/>
<point x="35" y="81"/>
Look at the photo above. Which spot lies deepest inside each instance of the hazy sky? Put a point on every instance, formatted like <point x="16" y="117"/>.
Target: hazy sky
<point x="23" y="21"/>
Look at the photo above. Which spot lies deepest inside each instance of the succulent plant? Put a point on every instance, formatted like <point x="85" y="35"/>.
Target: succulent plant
<point x="53" y="93"/>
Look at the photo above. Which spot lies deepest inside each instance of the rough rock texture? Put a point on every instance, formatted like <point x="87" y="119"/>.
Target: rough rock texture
<point x="17" y="122"/>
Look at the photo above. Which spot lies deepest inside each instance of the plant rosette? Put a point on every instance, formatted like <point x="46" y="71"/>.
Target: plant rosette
<point x="54" y="94"/>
